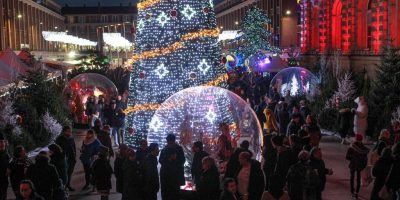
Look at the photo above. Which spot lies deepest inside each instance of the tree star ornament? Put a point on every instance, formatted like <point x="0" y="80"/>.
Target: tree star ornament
<point x="140" y="25"/>
<point x="162" y="19"/>
<point x="188" y="12"/>
<point x="156" y="124"/>
<point x="211" y="115"/>
<point x="161" y="71"/>
<point x="204" y="66"/>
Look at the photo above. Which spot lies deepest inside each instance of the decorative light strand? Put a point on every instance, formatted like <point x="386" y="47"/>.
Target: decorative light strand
<point x="148" y="3"/>
<point x="154" y="107"/>
<point x="175" y="46"/>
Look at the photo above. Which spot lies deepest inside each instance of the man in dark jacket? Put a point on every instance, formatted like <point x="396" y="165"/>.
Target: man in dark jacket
<point x="283" y="156"/>
<point x="170" y="174"/>
<point x="304" y="110"/>
<point x="294" y="125"/>
<point x="67" y="143"/>
<point x="233" y="164"/>
<point x="317" y="163"/>
<point x="105" y="139"/>
<point x="142" y="151"/>
<point x="4" y="160"/>
<point x="296" y="177"/>
<point x="199" y="154"/>
<point x="133" y="178"/>
<point x="180" y="157"/>
<point x="269" y="155"/>
<point x="118" y="123"/>
<point x="250" y="177"/>
<point x="44" y="176"/>
<point x="151" y="179"/>
<point x="283" y="119"/>
<point x="393" y="182"/>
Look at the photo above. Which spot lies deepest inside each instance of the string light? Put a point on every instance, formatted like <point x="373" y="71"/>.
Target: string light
<point x="168" y="51"/>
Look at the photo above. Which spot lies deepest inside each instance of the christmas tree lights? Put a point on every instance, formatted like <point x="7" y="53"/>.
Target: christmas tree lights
<point x="176" y="48"/>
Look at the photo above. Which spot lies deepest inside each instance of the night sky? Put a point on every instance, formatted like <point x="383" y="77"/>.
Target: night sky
<point x="102" y="2"/>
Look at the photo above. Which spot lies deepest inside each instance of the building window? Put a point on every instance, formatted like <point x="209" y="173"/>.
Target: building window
<point x="125" y="18"/>
<point x="81" y="19"/>
<point x="114" y="18"/>
<point x="104" y="19"/>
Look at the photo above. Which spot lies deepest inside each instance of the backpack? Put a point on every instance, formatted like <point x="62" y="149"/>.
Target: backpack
<point x="311" y="178"/>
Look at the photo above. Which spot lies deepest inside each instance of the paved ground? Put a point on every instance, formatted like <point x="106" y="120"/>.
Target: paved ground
<point x="337" y="187"/>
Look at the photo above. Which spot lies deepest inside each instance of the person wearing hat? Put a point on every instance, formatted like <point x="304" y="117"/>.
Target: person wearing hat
<point x="102" y="172"/>
<point x="151" y="177"/>
<point x="357" y="154"/>
<point x="297" y="177"/>
<point x="4" y="160"/>
<point x="44" y="176"/>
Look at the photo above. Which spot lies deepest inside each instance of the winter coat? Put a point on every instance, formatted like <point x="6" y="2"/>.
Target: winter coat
<point x="380" y="171"/>
<point x="283" y="162"/>
<point x="151" y="177"/>
<point x="18" y="167"/>
<point x="4" y="161"/>
<point x="256" y="180"/>
<point x="141" y="154"/>
<point x="344" y="121"/>
<point x="293" y="128"/>
<point x="314" y="133"/>
<point x="90" y="108"/>
<point x="260" y="112"/>
<point x="294" y="151"/>
<point x="208" y="185"/>
<point x="118" y="119"/>
<point x="89" y="149"/>
<point x="118" y="172"/>
<point x="225" y="195"/>
<point x="197" y="167"/>
<point x="380" y="145"/>
<point x="102" y="172"/>
<point x="180" y="161"/>
<point x="394" y="177"/>
<point x="170" y="177"/>
<point x="269" y="155"/>
<point x="34" y="196"/>
<point x="304" y="112"/>
<point x="105" y="140"/>
<point x="61" y="166"/>
<point x="319" y="165"/>
<point x="68" y="147"/>
<point x="267" y="196"/>
<point x="295" y="180"/>
<point x="361" y="117"/>
<point x="270" y="124"/>
<point x="233" y="164"/>
<point x="133" y="180"/>
<point x="44" y="176"/>
<point x="283" y="120"/>
<point x="357" y="154"/>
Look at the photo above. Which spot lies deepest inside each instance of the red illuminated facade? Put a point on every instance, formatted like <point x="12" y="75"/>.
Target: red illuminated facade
<point x="351" y="26"/>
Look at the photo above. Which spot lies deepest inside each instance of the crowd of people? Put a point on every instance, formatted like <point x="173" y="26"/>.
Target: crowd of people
<point x="292" y="164"/>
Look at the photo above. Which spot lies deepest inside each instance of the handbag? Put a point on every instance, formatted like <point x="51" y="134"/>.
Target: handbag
<point x="385" y="193"/>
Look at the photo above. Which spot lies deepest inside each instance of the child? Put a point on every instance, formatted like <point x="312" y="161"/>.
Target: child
<point x="357" y="154"/>
<point x="102" y="173"/>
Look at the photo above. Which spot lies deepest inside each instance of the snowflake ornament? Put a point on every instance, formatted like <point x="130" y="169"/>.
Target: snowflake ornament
<point x="204" y="66"/>
<point x="162" y="19"/>
<point x="188" y="12"/>
<point x="161" y="71"/>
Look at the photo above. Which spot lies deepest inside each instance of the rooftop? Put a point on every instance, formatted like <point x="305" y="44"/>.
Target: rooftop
<point x="66" y="10"/>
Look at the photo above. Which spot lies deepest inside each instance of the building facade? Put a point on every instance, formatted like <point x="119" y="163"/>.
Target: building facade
<point x="353" y="27"/>
<point x="284" y="16"/>
<point x="22" y="23"/>
<point x="91" y="22"/>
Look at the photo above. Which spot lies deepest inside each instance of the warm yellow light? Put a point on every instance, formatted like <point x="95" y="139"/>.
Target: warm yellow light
<point x="288" y="12"/>
<point x="237" y="23"/>
<point x="147" y="3"/>
<point x="19" y="16"/>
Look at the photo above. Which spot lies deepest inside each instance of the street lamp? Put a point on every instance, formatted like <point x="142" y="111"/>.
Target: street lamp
<point x="236" y="23"/>
<point x="56" y="27"/>
<point x="288" y="12"/>
<point x="19" y="16"/>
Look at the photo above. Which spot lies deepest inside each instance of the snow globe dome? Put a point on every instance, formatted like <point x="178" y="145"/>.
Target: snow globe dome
<point x="297" y="81"/>
<point x="86" y="85"/>
<point x="212" y="115"/>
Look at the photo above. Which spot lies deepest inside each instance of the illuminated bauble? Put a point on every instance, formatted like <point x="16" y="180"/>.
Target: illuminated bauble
<point x="131" y="131"/>
<point x="142" y="75"/>
<point x="90" y="84"/>
<point x="206" y="10"/>
<point x="192" y="75"/>
<point x="195" y="114"/>
<point x="148" y="16"/>
<point x="231" y="62"/>
<point x="296" y="80"/>
<point x="173" y="13"/>
<point x="223" y="60"/>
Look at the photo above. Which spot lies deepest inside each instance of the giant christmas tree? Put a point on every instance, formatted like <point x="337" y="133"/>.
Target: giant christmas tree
<point x="176" y="48"/>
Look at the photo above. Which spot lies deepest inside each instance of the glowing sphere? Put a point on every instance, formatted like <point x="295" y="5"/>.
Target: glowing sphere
<point x="83" y="86"/>
<point x="296" y="80"/>
<point x="259" y="62"/>
<point x="197" y="113"/>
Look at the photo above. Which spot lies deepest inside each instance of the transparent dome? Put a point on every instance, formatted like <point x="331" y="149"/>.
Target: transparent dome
<point x="86" y="85"/>
<point x="296" y="80"/>
<point x="203" y="114"/>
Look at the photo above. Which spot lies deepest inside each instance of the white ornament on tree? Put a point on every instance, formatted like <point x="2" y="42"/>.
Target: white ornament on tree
<point x="155" y="124"/>
<point x="51" y="125"/>
<point x="140" y="25"/>
<point x="204" y="66"/>
<point x="162" y="19"/>
<point x="294" y="86"/>
<point x="161" y="71"/>
<point x="211" y="115"/>
<point x="188" y="12"/>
